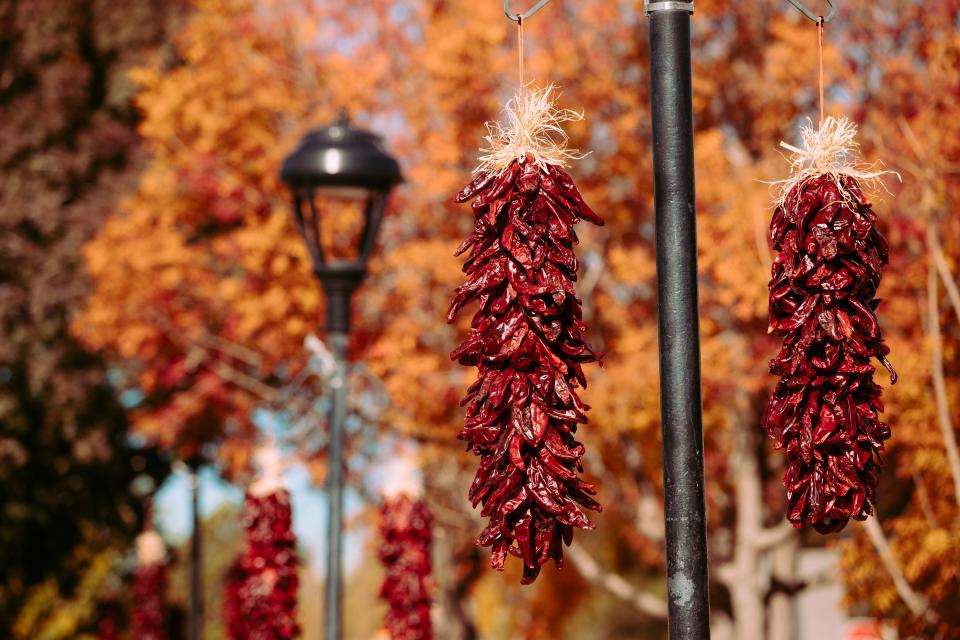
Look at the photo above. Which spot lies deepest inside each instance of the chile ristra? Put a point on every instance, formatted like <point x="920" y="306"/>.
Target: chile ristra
<point x="405" y="540"/>
<point x="262" y="587"/>
<point x="825" y="409"/>
<point x="527" y="342"/>
<point x="150" y="588"/>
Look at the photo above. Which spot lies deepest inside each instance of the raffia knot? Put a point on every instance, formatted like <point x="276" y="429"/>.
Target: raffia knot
<point x="832" y="150"/>
<point x="532" y="127"/>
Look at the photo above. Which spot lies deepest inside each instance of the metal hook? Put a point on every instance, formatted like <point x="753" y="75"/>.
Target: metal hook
<point x="517" y="17"/>
<point x="813" y="16"/>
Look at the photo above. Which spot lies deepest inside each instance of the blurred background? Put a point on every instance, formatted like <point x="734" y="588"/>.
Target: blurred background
<point x="156" y="302"/>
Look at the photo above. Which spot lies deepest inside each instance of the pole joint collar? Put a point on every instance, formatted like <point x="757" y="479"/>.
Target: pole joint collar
<point x="653" y="7"/>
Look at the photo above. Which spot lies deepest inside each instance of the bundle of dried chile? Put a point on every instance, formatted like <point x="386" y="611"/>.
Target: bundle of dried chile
<point x="150" y="588"/>
<point x="527" y="341"/>
<point x="149" y="610"/>
<point x="825" y="409"/>
<point x="267" y="589"/>
<point x="405" y="553"/>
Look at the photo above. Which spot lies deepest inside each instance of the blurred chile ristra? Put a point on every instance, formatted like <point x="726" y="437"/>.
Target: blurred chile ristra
<point x="261" y="589"/>
<point x="405" y="539"/>
<point x="150" y="588"/>
<point x="526" y="338"/>
<point x="825" y="409"/>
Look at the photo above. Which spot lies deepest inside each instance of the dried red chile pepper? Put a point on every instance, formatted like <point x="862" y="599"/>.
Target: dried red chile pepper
<point x="527" y="342"/>
<point x="262" y="590"/>
<point x="149" y="598"/>
<point x="825" y="409"/>
<point x="405" y="553"/>
<point x="233" y="605"/>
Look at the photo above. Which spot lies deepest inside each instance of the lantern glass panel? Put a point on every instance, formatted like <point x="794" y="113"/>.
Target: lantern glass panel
<point x="340" y="177"/>
<point x="340" y="222"/>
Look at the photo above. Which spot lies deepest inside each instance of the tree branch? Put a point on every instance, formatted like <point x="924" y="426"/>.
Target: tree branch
<point x="746" y="595"/>
<point x="648" y="512"/>
<point x="773" y="536"/>
<point x="939" y="381"/>
<point x="265" y="392"/>
<point x="648" y="516"/>
<point x="646" y="603"/>
<point x="231" y="348"/>
<point x="792" y="586"/>
<point x="739" y="158"/>
<point x="943" y="269"/>
<point x="725" y="574"/>
<point x="925" y="505"/>
<point x="917" y="604"/>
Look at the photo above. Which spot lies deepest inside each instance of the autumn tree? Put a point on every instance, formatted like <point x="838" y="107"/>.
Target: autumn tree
<point x="69" y="151"/>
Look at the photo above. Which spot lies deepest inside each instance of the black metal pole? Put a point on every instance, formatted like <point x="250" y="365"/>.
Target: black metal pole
<point x="680" y="402"/>
<point x="196" y="569"/>
<point x="339" y="286"/>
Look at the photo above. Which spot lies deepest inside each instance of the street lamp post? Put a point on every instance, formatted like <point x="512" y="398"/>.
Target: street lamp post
<point x="193" y="464"/>
<point x="196" y="554"/>
<point x="338" y="163"/>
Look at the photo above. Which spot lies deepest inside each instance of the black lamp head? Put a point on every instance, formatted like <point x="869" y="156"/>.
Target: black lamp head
<point x="343" y="158"/>
<point x="339" y="162"/>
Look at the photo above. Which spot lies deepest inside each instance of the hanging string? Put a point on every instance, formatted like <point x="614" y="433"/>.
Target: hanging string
<point x="820" y="42"/>
<point x="520" y="50"/>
